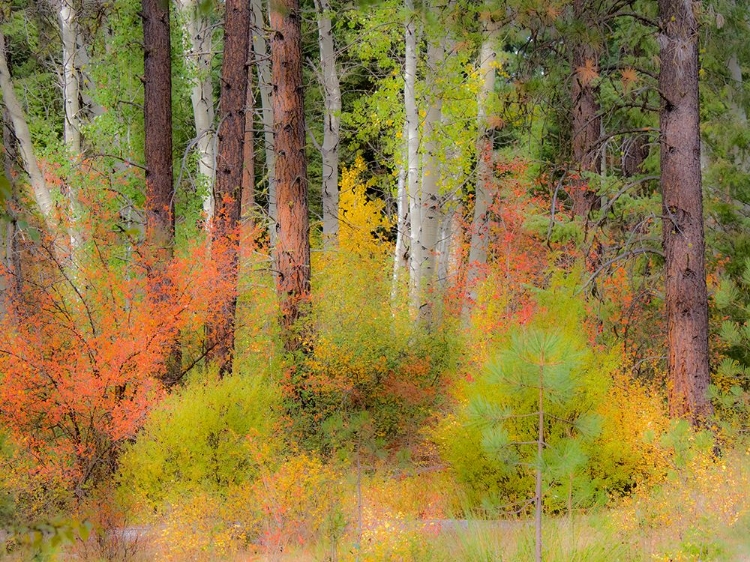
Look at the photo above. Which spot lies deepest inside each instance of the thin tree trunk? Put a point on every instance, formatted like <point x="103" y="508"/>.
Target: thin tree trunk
<point x="686" y="295"/>
<point x="198" y="55"/>
<point x="265" y="86"/>
<point x="412" y="154"/>
<point x="41" y="192"/>
<point x="331" y="124"/>
<point x="538" y="475"/>
<point x="431" y="171"/>
<point x="482" y="198"/>
<point x="401" y="252"/>
<point x="586" y="122"/>
<point x="71" y="103"/>
<point x="293" y="245"/>
<point x="229" y="173"/>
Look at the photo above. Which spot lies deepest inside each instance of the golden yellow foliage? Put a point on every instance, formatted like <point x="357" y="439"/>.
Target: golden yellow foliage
<point x="362" y="223"/>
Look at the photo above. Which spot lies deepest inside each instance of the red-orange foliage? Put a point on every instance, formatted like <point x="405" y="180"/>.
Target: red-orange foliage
<point x="83" y="347"/>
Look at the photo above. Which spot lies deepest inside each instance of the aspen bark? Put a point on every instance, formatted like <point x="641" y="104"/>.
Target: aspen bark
<point x="431" y="171"/>
<point x="293" y="244"/>
<point x="484" y="149"/>
<point x="412" y="154"/>
<point x="263" y="64"/>
<point x="198" y="56"/>
<point x="331" y="124"/>
<point x="71" y="99"/>
<point x="41" y="192"/>
<point x="686" y="295"/>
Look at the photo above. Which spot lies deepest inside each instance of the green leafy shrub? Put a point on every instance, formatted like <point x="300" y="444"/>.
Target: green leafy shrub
<point x="207" y="437"/>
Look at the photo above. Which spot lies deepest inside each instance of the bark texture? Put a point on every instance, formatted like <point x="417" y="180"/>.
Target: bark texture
<point x="228" y="189"/>
<point x="198" y="55"/>
<point x="263" y="64"/>
<point x="71" y="100"/>
<point x="157" y="106"/>
<point x="293" y="244"/>
<point x="586" y="122"/>
<point x="484" y="149"/>
<point x="412" y="154"/>
<point x="157" y="109"/>
<point x="686" y="297"/>
<point x="430" y="193"/>
<point x="42" y="195"/>
<point x="331" y="124"/>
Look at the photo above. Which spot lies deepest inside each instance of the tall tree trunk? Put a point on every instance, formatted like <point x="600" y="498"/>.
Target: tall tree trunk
<point x="229" y="172"/>
<point x="157" y="105"/>
<point x="157" y="109"/>
<point x="412" y="154"/>
<point x="71" y="99"/>
<point x="401" y="252"/>
<point x="42" y="194"/>
<point x="198" y="55"/>
<point x="586" y="122"/>
<point x="686" y="296"/>
<point x="484" y="150"/>
<point x="263" y="63"/>
<point x="293" y="245"/>
<point x="431" y="171"/>
<point x="331" y="124"/>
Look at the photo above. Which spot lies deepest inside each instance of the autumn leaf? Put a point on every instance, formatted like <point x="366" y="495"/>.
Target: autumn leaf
<point x="629" y="78"/>
<point x="587" y="73"/>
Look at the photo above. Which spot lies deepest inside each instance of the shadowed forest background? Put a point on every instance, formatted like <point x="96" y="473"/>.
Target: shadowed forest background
<point x="440" y="280"/>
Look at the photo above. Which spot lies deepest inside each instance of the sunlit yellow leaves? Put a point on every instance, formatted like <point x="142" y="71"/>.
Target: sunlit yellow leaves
<point x="361" y="220"/>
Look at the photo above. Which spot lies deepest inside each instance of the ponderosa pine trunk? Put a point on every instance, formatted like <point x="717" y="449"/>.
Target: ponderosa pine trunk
<point x="228" y="190"/>
<point x="686" y="296"/>
<point x="586" y="121"/>
<point x="331" y="124"/>
<point x="157" y="109"/>
<point x="293" y="244"/>
<point x="157" y="106"/>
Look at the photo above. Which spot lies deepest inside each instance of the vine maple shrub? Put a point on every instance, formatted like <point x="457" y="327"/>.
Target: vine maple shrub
<point x="83" y="351"/>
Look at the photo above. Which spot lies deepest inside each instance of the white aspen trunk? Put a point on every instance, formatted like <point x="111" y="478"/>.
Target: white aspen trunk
<point x="479" y="227"/>
<point x="400" y="256"/>
<point x="198" y="57"/>
<point x="331" y="124"/>
<point x="71" y="103"/>
<point x="431" y="173"/>
<point x="90" y="107"/>
<point x="263" y="63"/>
<point x="412" y="154"/>
<point x="42" y="195"/>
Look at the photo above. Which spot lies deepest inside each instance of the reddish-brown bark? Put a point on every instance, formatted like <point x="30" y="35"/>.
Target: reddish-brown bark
<point x="686" y="296"/>
<point x="229" y="175"/>
<point x="157" y="107"/>
<point x="586" y="122"/>
<point x="293" y="244"/>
